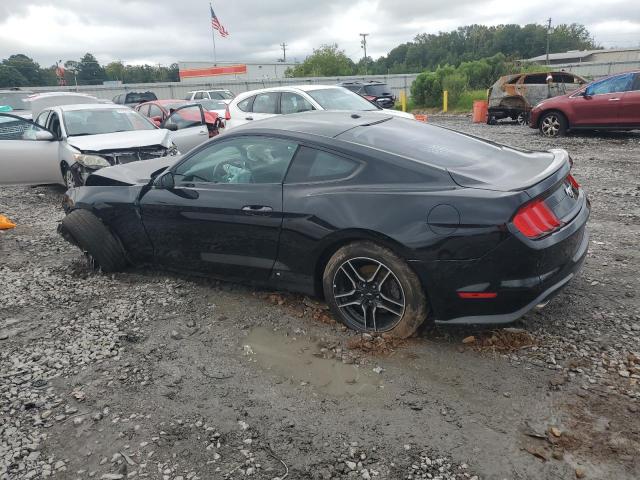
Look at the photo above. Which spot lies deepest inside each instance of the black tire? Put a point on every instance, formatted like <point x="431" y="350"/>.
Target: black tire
<point x="522" y="118"/>
<point x="553" y="124"/>
<point x="491" y="120"/>
<point x="84" y="229"/>
<point x="375" y="293"/>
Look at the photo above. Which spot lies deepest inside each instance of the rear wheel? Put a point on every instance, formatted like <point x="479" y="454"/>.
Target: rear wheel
<point x="553" y="124"/>
<point x="102" y="248"/>
<point x="371" y="289"/>
<point x="523" y="118"/>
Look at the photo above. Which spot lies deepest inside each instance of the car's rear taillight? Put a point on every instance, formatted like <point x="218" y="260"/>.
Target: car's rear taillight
<point x="536" y="219"/>
<point x="574" y="182"/>
<point x="227" y="113"/>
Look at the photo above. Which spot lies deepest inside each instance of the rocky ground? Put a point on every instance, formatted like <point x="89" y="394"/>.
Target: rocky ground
<point x="146" y="374"/>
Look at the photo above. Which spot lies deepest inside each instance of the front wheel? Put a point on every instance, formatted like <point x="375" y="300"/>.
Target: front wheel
<point x="553" y="124"/>
<point x="523" y="118"/>
<point x="371" y="289"/>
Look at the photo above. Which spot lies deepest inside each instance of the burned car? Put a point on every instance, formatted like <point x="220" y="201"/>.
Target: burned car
<point x="394" y="222"/>
<point x="513" y="96"/>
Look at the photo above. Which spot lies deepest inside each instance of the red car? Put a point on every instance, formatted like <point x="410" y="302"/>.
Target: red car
<point x="159" y="110"/>
<point x="612" y="103"/>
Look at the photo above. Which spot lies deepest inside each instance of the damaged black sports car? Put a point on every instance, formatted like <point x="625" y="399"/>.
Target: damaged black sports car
<point x="392" y="221"/>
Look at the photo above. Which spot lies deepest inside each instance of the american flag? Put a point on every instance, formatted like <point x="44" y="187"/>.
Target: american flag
<point x="216" y="25"/>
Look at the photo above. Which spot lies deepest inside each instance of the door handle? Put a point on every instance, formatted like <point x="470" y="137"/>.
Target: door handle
<point x="614" y="99"/>
<point x="256" y="209"/>
<point x="248" y="118"/>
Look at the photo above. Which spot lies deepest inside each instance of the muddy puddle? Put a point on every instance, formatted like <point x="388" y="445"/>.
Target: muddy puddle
<point x="300" y="361"/>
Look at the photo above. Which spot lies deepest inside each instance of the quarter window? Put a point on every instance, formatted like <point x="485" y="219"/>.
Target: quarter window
<point x="245" y="105"/>
<point x="247" y="159"/>
<point x="293" y="103"/>
<point x="312" y="165"/>
<point x="266" y="103"/>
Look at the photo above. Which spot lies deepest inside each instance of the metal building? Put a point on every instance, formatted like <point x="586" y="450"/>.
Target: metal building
<point x="199" y="72"/>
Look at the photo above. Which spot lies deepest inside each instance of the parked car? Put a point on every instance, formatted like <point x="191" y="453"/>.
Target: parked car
<point x="392" y="220"/>
<point x="17" y="101"/>
<point x="612" y="103"/>
<point x="159" y="110"/>
<point x="216" y="94"/>
<point x="131" y="99"/>
<point x="66" y="143"/>
<point x="513" y="96"/>
<point x="267" y="102"/>
<point x="217" y="106"/>
<point x="373" y="91"/>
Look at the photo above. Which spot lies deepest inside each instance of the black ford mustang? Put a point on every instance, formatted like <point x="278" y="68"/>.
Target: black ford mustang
<point x="393" y="221"/>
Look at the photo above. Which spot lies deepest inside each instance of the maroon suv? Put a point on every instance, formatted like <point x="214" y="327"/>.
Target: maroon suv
<point x="612" y="103"/>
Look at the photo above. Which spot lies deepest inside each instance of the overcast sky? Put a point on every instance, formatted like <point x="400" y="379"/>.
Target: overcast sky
<point x="165" y="31"/>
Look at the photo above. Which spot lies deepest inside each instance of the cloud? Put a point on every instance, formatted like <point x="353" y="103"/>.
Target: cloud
<point x="138" y="31"/>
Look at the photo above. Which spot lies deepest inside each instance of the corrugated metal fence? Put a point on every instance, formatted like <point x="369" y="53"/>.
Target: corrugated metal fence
<point x="597" y="70"/>
<point x="167" y="90"/>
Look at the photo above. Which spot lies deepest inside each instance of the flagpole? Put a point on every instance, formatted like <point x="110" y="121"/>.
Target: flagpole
<point x="213" y="37"/>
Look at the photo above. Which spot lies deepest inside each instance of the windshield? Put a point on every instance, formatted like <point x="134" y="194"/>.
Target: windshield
<point x="136" y="97"/>
<point x="213" y="104"/>
<point x="96" y="122"/>
<point x="14" y="100"/>
<point x="377" y="90"/>
<point x="339" y="98"/>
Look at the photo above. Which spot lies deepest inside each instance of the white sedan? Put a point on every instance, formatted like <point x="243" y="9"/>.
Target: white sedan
<point x="64" y="144"/>
<point x="267" y="102"/>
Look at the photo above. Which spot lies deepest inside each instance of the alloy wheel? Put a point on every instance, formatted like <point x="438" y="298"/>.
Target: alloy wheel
<point x="368" y="294"/>
<point x="522" y="119"/>
<point x="551" y="125"/>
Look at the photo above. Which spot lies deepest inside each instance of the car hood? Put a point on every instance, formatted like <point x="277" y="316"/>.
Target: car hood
<point x="120" y="140"/>
<point x="397" y="113"/>
<point x="133" y="173"/>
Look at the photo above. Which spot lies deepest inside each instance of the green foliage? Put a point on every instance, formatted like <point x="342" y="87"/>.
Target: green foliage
<point x="28" y="69"/>
<point x="474" y="42"/>
<point x="11" y="77"/>
<point x="326" y="61"/>
<point x="465" y="102"/>
<point x="89" y="71"/>
<point x="456" y="84"/>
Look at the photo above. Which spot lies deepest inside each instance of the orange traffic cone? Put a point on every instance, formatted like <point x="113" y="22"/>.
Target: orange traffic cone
<point x="5" y="223"/>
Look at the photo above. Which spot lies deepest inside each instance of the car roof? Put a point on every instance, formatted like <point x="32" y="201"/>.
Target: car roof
<point x="210" y="90"/>
<point x="91" y="106"/>
<point x="322" y="123"/>
<point x="166" y="101"/>
<point x="286" y="88"/>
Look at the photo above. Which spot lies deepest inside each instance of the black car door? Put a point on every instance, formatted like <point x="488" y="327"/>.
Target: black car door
<point x="223" y="213"/>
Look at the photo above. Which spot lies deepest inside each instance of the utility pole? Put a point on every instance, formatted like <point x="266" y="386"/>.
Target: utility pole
<point x="284" y="52"/>
<point x="548" y="35"/>
<point x="363" y="43"/>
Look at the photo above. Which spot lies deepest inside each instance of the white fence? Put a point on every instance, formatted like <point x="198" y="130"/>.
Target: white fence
<point x="397" y="83"/>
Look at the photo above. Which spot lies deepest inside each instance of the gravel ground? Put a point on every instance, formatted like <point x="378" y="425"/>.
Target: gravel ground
<point x="155" y="375"/>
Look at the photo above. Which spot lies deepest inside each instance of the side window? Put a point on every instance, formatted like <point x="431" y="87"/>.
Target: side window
<point x="621" y="83"/>
<point x="266" y="103"/>
<point x="198" y="96"/>
<point x="186" y="117"/>
<point x="42" y="118"/>
<point x="247" y="159"/>
<point x="53" y="125"/>
<point x="144" y="110"/>
<point x="245" y="105"/>
<point x="536" y="78"/>
<point x="293" y="103"/>
<point x="216" y="96"/>
<point x="311" y="165"/>
<point x="15" y="128"/>
<point x="155" y="111"/>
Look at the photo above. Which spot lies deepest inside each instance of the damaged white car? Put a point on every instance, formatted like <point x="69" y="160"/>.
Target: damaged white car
<point x="64" y="144"/>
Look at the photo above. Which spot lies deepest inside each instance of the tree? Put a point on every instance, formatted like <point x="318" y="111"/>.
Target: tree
<point x="115" y="71"/>
<point x="29" y="69"/>
<point x="89" y="71"/>
<point x="11" y="77"/>
<point x="326" y="61"/>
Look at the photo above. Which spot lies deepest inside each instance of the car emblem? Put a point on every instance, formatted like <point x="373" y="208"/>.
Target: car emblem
<point x="569" y="191"/>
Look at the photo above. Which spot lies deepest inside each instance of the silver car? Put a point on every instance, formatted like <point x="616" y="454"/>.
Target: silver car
<point x="65" y="144"/>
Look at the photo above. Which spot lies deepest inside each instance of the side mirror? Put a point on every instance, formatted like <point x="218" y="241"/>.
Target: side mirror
<point x="44" y="135"/>
<point x="588" y="92"/>
<point x="166" y="181"/>
<point x="170" y="126"/>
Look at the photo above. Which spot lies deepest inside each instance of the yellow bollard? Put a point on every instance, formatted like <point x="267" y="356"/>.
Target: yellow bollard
<point x="445" y="101"/>
<point x="5" y="223"/>
<point x="403" y="100"/>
